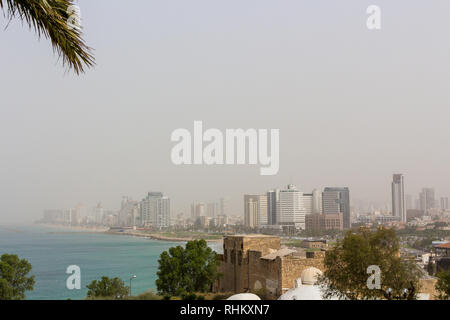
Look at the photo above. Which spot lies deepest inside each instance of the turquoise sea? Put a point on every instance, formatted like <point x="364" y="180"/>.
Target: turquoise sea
<point x="51" y="251"/>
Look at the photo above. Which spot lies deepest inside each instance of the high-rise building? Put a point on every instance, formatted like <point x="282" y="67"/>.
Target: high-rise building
<point x="212" y="209"/>
<point x="155" y="210"/>
<point x="255" y="210"/>
<point x="98" y="213"/>
<point x="250" y="210"/>
<point x="337" y="200"/>
<point x="398" y="197"/>
<point x="67" y="216"/>
<point x="272" y="203"/>
<point x="317" y="201"/>
<point x="128" y="212"/>
<point x="426" y="199"/>
<point x="262" y="210"/>
<point x="293" y="206"/>
<point x="198" y="210"/>
<point x="221" y="220"/>
<point x="444" y="203"/>
<point x="193" y="211"/>
<point x="223" y="207"/>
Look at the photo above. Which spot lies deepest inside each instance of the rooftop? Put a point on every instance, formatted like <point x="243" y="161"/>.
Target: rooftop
<point x="444" y="245"/>
<point x="280" y="253"/>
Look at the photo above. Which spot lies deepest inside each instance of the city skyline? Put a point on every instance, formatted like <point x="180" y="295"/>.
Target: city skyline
<point x="200" y="154"/>
<point x="267" y="208"/>
<point x="349" y="102"/>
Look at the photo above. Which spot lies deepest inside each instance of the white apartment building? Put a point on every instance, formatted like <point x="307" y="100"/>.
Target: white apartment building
<point x="255" y="210"/>
<point x="155" y="210"/>
<point x="293" y="206"/>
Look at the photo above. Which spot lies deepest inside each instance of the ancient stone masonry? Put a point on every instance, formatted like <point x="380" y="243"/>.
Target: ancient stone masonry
<point x="254" y="262"/>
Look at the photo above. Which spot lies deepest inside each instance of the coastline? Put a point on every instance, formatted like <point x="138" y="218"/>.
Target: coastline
<point x="74" y="229"/>
<point x="159" y="237"/>
<point x="106" y="230"/>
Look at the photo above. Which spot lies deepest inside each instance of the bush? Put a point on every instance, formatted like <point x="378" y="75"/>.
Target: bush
<point x="148" y="295"/>
<point x="107" y="288"/>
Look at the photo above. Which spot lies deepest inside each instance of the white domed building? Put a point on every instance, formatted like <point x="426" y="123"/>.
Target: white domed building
<point x="244" y="296"/>
<point x="306" y="287"/>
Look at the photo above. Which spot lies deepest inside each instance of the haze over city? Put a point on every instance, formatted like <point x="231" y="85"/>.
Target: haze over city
<point x="352" y="106"/>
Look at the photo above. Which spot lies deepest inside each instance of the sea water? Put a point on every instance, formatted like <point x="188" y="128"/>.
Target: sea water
<point x="50" y="251"/>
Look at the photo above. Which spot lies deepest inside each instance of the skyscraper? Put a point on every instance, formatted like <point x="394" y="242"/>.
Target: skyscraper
<point x="223" y="207"/>
<point x="255" y="210"/>
<point x="272" y="203"/>
<point x="262" y="210"/>
<point x="317" y="201"/>
<point x="155" y="210"/>
<point x="293" y="206"/>
<point x="398" y="197"/>
<point x="337" y="200"/>
<point x="426" y="199"/>
<point x="98" y="213"/>
<point x="444" y="203"/>
<point x="250" y="210"/>
<point x="198" y="210"/>
<point x="128" y="211"/>
<point x="211" y="209"/>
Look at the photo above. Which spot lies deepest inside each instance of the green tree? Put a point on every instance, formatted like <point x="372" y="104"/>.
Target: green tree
<point x="346" y="266"/>
<point x="13" y="277"/>
<point x="113" y="288"/>
<point x="443" y="285"/>
<point x="50" y="19"/>
<point x="183" y="271"/>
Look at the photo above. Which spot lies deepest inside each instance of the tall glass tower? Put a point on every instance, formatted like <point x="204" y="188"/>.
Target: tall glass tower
<point x="398" y="197"/>
<point x="337" y="200"/>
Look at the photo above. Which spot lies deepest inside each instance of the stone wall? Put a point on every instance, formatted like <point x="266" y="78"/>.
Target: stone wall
<point x="264" y="273"/>
<point x="292" y="268"/>
<point x="236" y="268"/>
<point x="244" y="270"/>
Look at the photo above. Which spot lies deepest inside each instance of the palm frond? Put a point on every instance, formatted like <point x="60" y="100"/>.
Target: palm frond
<point x="49" y="18"/>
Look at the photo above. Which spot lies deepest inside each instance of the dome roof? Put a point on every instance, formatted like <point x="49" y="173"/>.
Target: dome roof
<point x="244" y="296"/>
<point x="309" y="276"/>
<point x="302" y="293"/>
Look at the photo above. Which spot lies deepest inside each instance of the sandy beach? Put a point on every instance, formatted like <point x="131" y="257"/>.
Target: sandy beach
<point x="134" y="233"/>
<point x="156" y="236"/>
<point x="78" y="229"/>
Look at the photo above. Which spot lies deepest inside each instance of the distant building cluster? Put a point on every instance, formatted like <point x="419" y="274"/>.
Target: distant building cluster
<point x="153" y="212"/>
<point x="407" y="210"/>
<point x="277" y="211"/>
<point x="208" y="215"/>
<point x="80" y="215"/>
<point x="293" y="209"/>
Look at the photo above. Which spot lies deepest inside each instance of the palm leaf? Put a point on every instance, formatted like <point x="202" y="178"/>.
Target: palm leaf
<point x="49" y="18"/>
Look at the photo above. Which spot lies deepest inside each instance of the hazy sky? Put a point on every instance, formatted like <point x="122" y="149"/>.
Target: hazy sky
<point x="353" y="106"/>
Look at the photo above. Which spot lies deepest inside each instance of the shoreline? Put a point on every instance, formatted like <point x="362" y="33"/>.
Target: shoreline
<point x="75" y="229"/>
<point x="159" y="237"/>
<point x="107" y="230"/>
